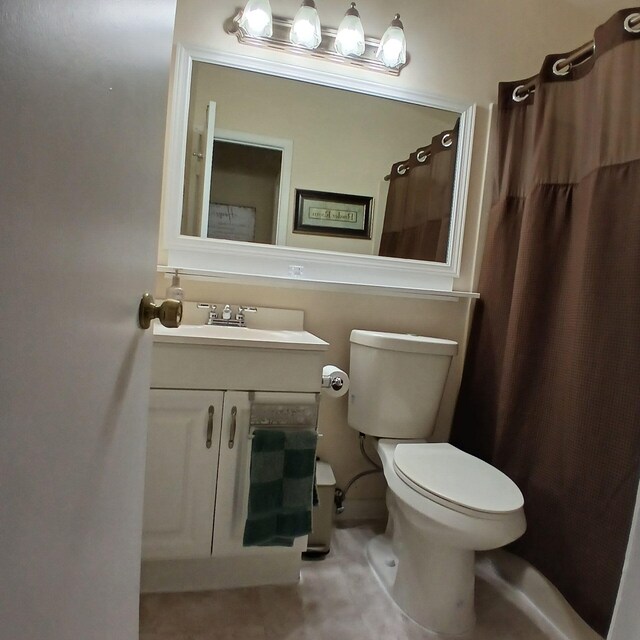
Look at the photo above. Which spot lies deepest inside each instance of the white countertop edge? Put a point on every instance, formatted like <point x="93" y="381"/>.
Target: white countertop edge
<point x="306" y="341"/>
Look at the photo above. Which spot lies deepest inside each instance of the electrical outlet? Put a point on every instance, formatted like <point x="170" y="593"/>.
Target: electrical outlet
<point x="296" y="271"/>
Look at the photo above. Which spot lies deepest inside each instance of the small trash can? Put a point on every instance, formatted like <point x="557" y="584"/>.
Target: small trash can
<point x="319" y="541"/>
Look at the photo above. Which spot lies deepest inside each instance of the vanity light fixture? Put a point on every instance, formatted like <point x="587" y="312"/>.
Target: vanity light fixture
<point x="303" y="35"/>
<point x="392" y="51"/>
<point x="305" y="30"/>
<point x="256" y="19"/>
<point x="350" y="37"/>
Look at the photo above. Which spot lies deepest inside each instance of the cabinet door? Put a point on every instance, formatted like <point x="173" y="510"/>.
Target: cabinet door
<point x="233" y="475"/>
<point x="180" y="477"/>
<point x="234" y="469"/>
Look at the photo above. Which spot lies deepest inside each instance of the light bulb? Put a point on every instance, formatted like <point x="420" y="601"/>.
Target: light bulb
<point x="392" y="51"/>
<point x="256" y="19"/>
<point x="305" y="30"/>
<point x="350" y="36"/>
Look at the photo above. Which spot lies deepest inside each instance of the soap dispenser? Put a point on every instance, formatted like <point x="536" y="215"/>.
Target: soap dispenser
<point x="175" y="291"/>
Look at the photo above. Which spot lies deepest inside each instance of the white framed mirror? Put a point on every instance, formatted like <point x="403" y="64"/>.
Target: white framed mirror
<point x="274" y="246"/>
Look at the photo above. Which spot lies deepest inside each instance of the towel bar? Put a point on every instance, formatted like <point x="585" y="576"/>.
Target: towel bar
<point x="287" y="415"/>
<point x="251" y="436"/>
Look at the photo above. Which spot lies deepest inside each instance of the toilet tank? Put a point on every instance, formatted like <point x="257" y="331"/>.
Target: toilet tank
<point x="397" y="381"/>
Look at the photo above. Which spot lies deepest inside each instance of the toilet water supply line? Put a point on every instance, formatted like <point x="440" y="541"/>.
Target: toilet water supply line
<point x="340" y="494"/>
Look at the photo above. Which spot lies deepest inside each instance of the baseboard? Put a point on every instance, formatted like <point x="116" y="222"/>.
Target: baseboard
<point x="159" y="576"/>
<point x="526" y="588"/>
<point x="364" y="509"/>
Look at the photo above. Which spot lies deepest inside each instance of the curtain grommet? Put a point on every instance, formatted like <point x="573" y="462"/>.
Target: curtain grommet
<point x="635" y="27"/>
<point x="517" y="96"/>
<point x="447" y="140"/>
<point x="402" y="169"/>
<point x="422" y="156"/>
<point x="561" y="67"/>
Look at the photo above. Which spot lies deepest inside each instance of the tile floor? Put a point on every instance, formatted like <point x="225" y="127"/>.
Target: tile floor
<point x="338" y="598"/>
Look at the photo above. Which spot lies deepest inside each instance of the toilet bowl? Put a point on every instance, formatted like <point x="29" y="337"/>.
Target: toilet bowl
<point x="444" y="504"/>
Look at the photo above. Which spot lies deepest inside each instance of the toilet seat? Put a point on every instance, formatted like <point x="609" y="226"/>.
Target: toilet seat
<point x="455" y="479"/>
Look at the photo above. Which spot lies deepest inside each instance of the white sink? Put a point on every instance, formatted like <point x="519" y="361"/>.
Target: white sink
<point x="222" y="336"/>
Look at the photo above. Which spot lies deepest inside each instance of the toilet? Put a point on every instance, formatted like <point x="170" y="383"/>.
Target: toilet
<point x="444" y="504"/>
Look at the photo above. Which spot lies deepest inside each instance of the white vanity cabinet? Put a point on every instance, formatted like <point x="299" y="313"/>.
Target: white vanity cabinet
<point x="199" y="450"/>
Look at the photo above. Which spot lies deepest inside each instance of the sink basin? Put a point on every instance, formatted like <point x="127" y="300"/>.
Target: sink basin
<point x="222" y="336"/>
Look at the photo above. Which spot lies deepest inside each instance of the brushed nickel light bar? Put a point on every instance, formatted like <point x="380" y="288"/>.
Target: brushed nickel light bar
<point x="277" y="34"/>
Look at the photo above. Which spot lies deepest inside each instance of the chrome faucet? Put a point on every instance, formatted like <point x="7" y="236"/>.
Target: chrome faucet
<point x="226" y="318"/>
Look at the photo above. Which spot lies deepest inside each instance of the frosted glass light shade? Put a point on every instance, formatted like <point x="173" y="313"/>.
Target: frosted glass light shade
<point x="256" y="19"/>
<point x="350" y="36"/>
<point x="392" y="51"/>
<point x="305" y="30"/>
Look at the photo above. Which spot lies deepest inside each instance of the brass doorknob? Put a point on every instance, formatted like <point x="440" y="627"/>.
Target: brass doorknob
<point x="169" y="312"/>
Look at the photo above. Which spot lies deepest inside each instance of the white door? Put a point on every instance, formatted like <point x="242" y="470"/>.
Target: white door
<point x="180" y="479"/>
<point x="84" y="87"/>
<point x="205" y="192"/>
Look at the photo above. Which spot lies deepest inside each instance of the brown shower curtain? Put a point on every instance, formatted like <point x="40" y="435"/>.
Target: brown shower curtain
<point x="418" y="212"/>
<point x="551" y="386"/>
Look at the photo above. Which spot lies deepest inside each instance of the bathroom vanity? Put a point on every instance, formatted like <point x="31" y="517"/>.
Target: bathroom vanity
<point x="210" y="386"/>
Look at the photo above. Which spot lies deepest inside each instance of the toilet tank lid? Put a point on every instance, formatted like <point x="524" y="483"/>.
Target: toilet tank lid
<point x="404" y="342"/>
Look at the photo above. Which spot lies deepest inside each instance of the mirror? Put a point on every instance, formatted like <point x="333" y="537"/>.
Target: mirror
<point x="242" y="123"/>
<point x="282" y="168"/>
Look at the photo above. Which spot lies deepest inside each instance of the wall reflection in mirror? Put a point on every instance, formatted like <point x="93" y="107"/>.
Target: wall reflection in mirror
<point x="255" y="141"/>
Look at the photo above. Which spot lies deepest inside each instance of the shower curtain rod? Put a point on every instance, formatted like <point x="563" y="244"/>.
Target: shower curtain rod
<point x="562" y="66"/>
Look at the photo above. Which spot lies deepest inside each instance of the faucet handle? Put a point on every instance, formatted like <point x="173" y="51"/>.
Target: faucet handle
<point x="242" y="309"/>
<point x="211" y="308"/>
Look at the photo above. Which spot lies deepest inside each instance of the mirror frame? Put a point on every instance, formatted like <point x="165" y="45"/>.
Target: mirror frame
<point x="245" y="261"/>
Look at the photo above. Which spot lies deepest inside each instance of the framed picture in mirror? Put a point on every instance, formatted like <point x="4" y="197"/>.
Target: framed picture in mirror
<point x="334" y="214"/>
<point x="231" y="222"/>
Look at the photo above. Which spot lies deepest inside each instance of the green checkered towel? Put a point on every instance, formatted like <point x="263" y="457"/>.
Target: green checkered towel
<point x="281" y="487"/>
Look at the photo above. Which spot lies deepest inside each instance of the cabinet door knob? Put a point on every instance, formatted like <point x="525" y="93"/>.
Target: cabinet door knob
<point x="210" y="426"/>
<point x="232" y="431"/>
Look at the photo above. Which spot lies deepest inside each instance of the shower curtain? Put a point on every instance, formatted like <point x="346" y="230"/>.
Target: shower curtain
<point x="551" y="385"/>
<point x="418" y="212"/>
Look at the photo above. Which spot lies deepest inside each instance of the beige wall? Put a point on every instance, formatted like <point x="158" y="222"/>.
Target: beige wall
<point x="460" y="50"/>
